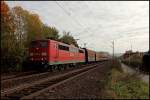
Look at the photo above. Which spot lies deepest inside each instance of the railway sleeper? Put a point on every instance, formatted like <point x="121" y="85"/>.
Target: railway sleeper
<point x="16" y="96"/>
<point x="28" y="91"/>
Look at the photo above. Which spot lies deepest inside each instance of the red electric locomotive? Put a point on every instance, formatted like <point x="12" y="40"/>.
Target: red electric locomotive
<point x="49" y="53"/>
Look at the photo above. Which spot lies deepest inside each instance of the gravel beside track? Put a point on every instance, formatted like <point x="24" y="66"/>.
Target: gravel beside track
<point x="40" y="83"/>
<point x="88" y="86"/>
<point x="17" y="75"/>
<point x="15" y="82"/>
<point x="10" y="83"/>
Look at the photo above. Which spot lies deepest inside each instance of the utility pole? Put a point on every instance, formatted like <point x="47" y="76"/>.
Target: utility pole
<point x="113" y="48"/>
<point x="130" y="54"/>
<point x="131" y="46"/>
<point x="84" y="45"/>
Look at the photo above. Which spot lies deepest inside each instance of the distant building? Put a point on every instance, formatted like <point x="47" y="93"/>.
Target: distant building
<point x="130" y="53"/>
<point x="104" y="54"/>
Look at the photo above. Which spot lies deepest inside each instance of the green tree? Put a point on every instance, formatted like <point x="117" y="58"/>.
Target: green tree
<point x="50" y="32"/>
<point x="68" y="39"/>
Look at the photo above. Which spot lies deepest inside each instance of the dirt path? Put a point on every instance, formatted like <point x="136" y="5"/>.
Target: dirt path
<point x="129" y="70"/>
<point x="89" y="85"/>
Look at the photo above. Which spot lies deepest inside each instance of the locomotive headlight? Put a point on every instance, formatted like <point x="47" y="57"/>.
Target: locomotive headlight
<point x="43" y="53"/>
<point x="31" y="54"/>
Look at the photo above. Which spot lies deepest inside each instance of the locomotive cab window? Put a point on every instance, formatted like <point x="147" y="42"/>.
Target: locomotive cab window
<point x="33" y="44"/>
<point x="61" y="47"/>
<point x="43" y="43"/>
<point x="38" y="44"/>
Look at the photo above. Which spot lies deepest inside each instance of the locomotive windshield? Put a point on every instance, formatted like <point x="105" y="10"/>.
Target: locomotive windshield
<point x="38" y="44"/>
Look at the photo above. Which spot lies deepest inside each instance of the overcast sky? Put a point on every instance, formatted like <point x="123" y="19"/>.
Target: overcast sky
<point x="97" y="23"/>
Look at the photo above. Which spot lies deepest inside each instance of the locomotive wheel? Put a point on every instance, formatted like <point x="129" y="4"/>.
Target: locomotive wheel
<point x="54" y="67"/>
<point x="59" y="67"/>
<point x="70" y="65"/>
<point x="45" y="67"/>
<point x="74" y="65"/>
<point x="51" y="68"/>
<point x="65" y="67"/>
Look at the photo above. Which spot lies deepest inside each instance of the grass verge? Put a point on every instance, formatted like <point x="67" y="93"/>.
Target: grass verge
<point x="124" y="86"/>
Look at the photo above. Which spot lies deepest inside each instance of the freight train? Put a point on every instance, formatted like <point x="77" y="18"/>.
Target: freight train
<point x="50" y="54"/>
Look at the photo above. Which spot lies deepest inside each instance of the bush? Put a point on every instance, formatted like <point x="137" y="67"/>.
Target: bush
<point x="116" y="65"/>
<point x="130" y="87"/>
<point x="120" y="85"/>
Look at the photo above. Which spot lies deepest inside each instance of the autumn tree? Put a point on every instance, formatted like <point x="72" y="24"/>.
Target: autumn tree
<point x="7" y="36"/>
<point x="32" y="27"/>
<point x="7" y="28"/>
<point x="28" y="25"/>
<point x="18" y="28"/>
<point x="20" y="33"/>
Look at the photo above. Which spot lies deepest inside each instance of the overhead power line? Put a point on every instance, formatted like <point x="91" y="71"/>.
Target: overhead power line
<point x="67" y="13"/>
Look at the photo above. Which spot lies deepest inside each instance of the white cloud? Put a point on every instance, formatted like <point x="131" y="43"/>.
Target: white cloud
<point x="97" y="23"/>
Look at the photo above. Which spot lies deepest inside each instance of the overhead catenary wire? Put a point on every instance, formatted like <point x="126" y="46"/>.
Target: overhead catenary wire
<point x="82" y="25"/>
<point x="67" y="13"/>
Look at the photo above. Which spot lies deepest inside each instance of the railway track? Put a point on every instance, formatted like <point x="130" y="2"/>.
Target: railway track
<point x="12" y="82"/>
<point x="18" y="75"/>
<point x="29" y="91"/>
<point x="16" y="81"/>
